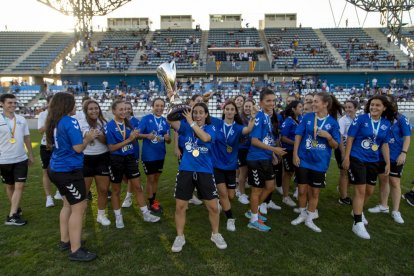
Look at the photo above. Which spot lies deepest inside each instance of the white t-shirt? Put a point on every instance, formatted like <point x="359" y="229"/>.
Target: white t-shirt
<point x="41" y="121"/>
<point x="13" y="153"/>
<point x="95" y="147"/>
<point x="344" y="124"/>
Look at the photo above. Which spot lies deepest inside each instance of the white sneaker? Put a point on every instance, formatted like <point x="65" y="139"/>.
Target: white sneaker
<point x="58" y="196"/>
<point x="127" y="202"/>
<point x="49" y="202"/>
<point x="309" y="222"/>
<point x="231" y="225"/>
<point x="218" y="240"/>
<point x="263" y="208"/>
<point x="102" y="219"/>
<point x="279" y="190"/>
<point x="148" y="217"/>
<point x="360" y="231"/>
<point x="238" y="194"/>
<point x="364" y="219"/>
<point x="195" y="201"/>
<point x="274" y="206"/>
<point x="244" y="199"/>
<point x="397" y="217"/>
<point x="301" y="218"/>
<point x="178" y="244"/>
<point x="296" y="210"/>
<point x="295" y="194"/>
<point x="288" y="201"/>
<point x="379" y="209"/>
<point x="119" y="221"/>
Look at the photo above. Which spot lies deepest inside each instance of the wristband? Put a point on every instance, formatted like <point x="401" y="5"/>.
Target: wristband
<point x="193" y="124"/>
<point x="403" y="151"/>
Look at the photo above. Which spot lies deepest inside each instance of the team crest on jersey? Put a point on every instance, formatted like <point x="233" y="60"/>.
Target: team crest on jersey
<point x="366" y="143"/>
<point x="392" y="141"/>
<point x="384" y="127"/>
<point x="308" y="123"/>
<point x="365" y="124"/>
<point x="328" y="126"/>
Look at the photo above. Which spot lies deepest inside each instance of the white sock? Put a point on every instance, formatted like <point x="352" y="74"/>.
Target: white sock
<point x="49" y="196"/>
<point x="101" y="212"/>
<point x="310" y="216"/>
<point x="128" y="194"/>
<point x="117" y="212"/>
<point x="254" y="217"/>
<point x="144" y="209"/>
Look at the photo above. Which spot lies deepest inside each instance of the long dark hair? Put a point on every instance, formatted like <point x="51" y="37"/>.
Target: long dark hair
<point x="389" y="112"/>
<point x="126" y="121"/>
<point x="289" y="110"/>
<point x="237" y="118"/>
<point x="132" y="109"/>
<point x="244" y="116"/>
<point x="334" y="106"/>
<point x="61" y="105"/>
<point x="93" y="123"/>
<point x="204" y="106"/>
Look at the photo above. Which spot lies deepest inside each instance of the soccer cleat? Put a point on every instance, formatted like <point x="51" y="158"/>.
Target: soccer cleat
<point x="279" y="190"/>
<point x="263" y="208"/>
<point x="397" y="217"/>
<point x="231" y="225"/>
<point x="248" y="215"/>
<point x="218" y="240"/>
<point x="345" y="201"/>
<point x="258" y="225"/>
<point x="379" y="209"/>
<point x="155" y="207"/>
<point x="58" y="196"/>
<point x="244" y="199"/>
<point x="409" y="197"/>
<point x="178" y="244"/>
<point x="49" y="202"/>
<point x="82" y="255"/>
<point x="102" y="219"/>
<point x="360" y="231"/>
<point x="288" y="201"/>
<point x="127" y="202"/>
<point x="15" y="220"/>
<point x="194" y="200"/>
<point x="148" y="217"/>
<point x="119" y="222"/>
<point x="274" y="206"/>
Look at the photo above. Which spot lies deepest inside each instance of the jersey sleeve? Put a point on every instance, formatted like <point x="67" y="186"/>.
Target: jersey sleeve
<point x="26" y="128"/>
<point x="74" y="132"/>
<point x="342" y="126"/>
<point x="184" y="128"/>
<point x="41" y="120"/>
<point x="110" y="136"/>
<point x="354" y="127"/>
<point x="257" y="128"/>
<point x="301" y="128"/>
<point x="142" y="126"/>
<point x="405" y="126"/>
<point x="336" y="134"/>
<point x="285" y="129"/>
<point x="211" y="130"/>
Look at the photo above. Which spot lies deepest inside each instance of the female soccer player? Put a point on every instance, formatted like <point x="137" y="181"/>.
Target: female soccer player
<point x="96" y="159"/>
<point x="398" y="144"/>
<point x="243" y="150"/>
<point x="345" y="122"/>
<point x="120" y="137"/>
<point x="225" y="150"/>
<point x="259" y="160"/>
<point x="196" y="170"/>
<point x="239" y="101"/>
<point x="155" y="131"/>
<point x="65" y="171"/>
<point x="367" y="155"/>
<point x="316" y="136"/>
<point x="292" y="112"/>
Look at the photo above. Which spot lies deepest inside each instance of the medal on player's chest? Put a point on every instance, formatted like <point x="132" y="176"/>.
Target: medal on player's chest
<point x="375" y="130"/>
<point x="229" y="148"/>
<point x="195" y="152"/>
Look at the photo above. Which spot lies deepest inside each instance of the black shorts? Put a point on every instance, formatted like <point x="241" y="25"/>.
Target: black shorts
<point x="287" y="161"/>
<point x="364" y="172"/>
<point x="260" y="171"/>
<point x="338" y="157"/>
<point x="123" y="165"/>
<point x="45" y="155"/>
<point x="12" y="173"/>
<point x="395" y="170"/>
<point x="96" y="165"/>
<point x="310" y="177"/>
<point x="70" y="184"/>
<point x="153" y="167"/>
<point x="226" y="177"/>
<point x="242" y="157"/>
<point x="187" y="181"/>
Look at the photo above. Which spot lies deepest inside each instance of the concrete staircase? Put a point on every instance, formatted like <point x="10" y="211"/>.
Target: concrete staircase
<point x="136" y="60"/>
<point x="203" y="49"/>
<point x="331" y="48"/>
<point x="393" y="49"/>
<point x="266" y="46"/>
<point x="27" y="53"/>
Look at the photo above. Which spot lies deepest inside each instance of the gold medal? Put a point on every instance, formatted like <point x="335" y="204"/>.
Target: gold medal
<point x="196" y="153"/>
<point x="374" y="147"/>
<point x="314" y="143"/>
<point x="229" y="149"/>
<point x="12" y="140"/>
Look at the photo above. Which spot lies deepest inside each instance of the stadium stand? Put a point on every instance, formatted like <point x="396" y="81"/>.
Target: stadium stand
<point x="245" y="37"/>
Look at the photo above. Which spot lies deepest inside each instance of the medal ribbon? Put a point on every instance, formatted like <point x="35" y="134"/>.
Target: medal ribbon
<point x="375" y="130"/>
<point x="315" y="126"/>
<point x="159" y="125"/>
<point x="226" y="135"/>
<point x="12" y="130"/>
<point x="123" y="132"/>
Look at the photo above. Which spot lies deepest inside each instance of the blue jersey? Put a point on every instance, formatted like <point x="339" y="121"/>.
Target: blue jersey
<point x="203" y="162"/>
<point x="262" y="130"/>
<point x="399" y="129"/>
<point x="181" y="139"/>
<point x="226" y="146"/>
<point x="66" y="135"/>
<point x="362" y="131"/>
<point x="245" y="139"/>
<point x="288" y="130"/>
<point x="153" y="149"/>
<point x="135" y="124"/>
<point x="316" y="156"/>
<point x="114" y="136"/>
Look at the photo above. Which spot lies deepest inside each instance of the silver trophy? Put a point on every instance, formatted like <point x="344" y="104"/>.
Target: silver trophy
<point x="166" y="73"/>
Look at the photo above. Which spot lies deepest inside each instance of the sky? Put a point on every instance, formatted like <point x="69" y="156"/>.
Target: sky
<point x="30" y="15"/>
